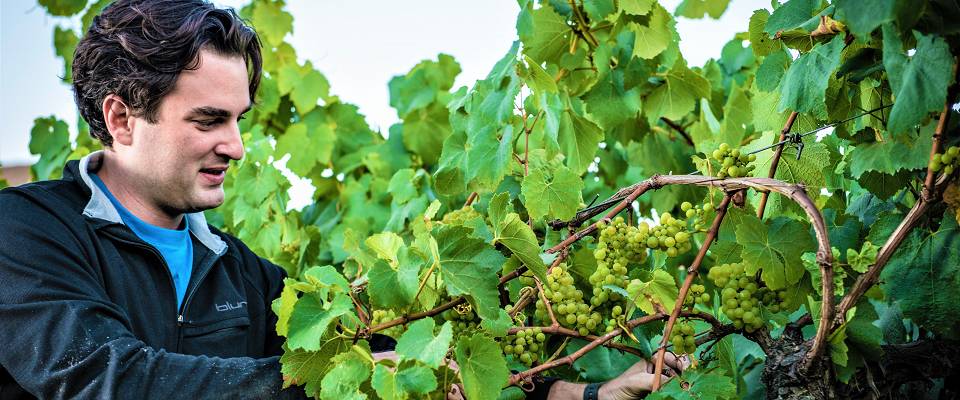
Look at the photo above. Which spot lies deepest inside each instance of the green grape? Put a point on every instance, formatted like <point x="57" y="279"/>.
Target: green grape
<point x="381" y="316"/>
<point x="463" y="319"/>
<point x="568" y="302"/>
<point x="948" y="161"/>
<point x="619" y="246"/>
<point x="742" y="296"/>
<point x="732" y="162"/>
<point x="683" y="337"/>
<point x="524" y="345"/>
<point x="696" y="295"/>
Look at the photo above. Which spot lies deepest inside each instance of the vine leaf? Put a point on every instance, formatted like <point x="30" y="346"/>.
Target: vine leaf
<point x="313" y="313"/>
<point x="791" y="15"/>
<point x="544" y="33"/>
<point x="804" y="86"/>
<point x="678" y="94"/>
<point x="774" y="248"/>
<point x="350" y="370"/>
<point x="552" y="194"/>
<point x="863" y="16"/>
<point x="309" y="367"/>
<point x="652" y="39"/>
<point x="482" y="367"/>
<point x="919" y="82"/>
<point x="419" y="343"/>
<point x="510" y="231"/>
<point x="923" y="275"/>
<point x="659" y="291"/>
<point x="696" y="385"/>
<point x="469" y="267"/>
<point x="410" y="382"/>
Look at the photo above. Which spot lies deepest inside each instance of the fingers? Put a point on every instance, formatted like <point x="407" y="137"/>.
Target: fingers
<point x="455" y="393"/>
<point x="678" y="363"/>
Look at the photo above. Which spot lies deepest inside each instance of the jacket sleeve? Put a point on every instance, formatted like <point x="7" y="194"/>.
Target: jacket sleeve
<point x="63" y="338"/>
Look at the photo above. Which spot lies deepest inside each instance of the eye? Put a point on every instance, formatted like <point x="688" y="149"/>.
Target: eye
<point x="206" y="123"/>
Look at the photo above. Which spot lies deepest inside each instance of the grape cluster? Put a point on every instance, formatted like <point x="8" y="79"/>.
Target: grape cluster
<point x="525" y="345"/>
<point x="616" y="315"/>
<point x="463" y="319"/>
<point x="619" y="245"/>
<point x="948" y="161"/>
<point x="698" y="214"/>
<point x="696" y="295"/>
<point x="732" y="162"/>
<point x="742" y="296"/>
<point x="568" y="303"/>
<point x="683" y="338"/>
<point x="671" y="236"/>
<point x="460" y="216"/>
<point x="381" y="316"/>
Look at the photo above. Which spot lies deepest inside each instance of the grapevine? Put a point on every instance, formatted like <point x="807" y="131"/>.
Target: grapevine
<point x="545" y="189"/>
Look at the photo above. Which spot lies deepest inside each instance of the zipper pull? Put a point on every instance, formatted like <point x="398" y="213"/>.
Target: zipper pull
<point x="180" y="320"/>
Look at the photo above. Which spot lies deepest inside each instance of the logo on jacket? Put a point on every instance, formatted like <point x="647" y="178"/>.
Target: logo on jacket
<point x="228" y="306"/>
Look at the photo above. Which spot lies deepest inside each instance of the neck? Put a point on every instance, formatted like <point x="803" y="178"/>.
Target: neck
<point x="122" y="184"/>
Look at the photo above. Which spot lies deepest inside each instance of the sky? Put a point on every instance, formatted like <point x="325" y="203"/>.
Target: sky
<point x="357" y="45"/>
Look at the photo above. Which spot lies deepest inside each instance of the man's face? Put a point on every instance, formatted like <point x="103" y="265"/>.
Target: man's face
<point x="181" y="160"/>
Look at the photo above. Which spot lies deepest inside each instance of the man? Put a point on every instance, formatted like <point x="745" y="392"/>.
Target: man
<point x="113" y="285"/>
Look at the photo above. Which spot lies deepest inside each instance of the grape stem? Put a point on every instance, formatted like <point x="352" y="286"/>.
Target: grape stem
<point x="546" y="303"/>
<point x="776" y="160"/>
<point x="691" y="275"/>
<point x="938" y="137"/>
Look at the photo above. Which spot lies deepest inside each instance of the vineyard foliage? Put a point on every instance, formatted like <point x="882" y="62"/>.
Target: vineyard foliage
<point x="462" y="195"/>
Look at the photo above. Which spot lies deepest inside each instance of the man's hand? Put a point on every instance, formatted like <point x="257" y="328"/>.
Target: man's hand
<point x="633" y="383"/>
<point x="637" y="381"/>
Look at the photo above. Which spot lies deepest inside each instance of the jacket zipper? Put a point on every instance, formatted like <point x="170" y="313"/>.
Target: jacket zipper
<point x="186" y="300"/>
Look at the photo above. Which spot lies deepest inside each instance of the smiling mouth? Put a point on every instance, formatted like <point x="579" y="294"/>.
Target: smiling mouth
<point x="214" y="171"/>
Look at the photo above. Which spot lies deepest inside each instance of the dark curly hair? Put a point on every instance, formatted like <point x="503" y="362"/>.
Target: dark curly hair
<point x="136" y="49"/>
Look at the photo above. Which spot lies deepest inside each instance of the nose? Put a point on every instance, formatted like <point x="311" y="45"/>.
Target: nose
<point x="232" y="144"/>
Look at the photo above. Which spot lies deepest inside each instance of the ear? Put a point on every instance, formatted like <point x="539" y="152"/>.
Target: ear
<point x="119" y="120"/>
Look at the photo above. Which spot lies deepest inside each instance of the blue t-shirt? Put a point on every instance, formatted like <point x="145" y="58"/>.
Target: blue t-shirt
<point x="174" y="244"/>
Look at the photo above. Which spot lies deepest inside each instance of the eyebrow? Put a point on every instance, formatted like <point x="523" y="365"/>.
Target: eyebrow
<point x="215" y="112"/>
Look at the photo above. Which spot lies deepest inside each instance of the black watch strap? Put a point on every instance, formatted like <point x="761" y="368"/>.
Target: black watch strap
<point x="592" y="391"/>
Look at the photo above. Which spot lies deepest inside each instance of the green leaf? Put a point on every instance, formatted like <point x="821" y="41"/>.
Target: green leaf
<point x="283" y="305"/>
<point x="579" y="139"/>
<point x="469" y="267"/>
<point x="697" y="385"/>
<point x="772" y="69"/>
<point x="862" y="260"/>
<point x="63" y="8"/>
<point x="512" y="232"/>
<point x="272" y="22"/>
<point x="65" y="42"/>
<point x="314" y="312"/>
<point x="393" y="287"/>
<point x="774" y="248"/>
<point x="483" y="369"/>
<point x="312" y="86"/>
<point x="350" y="370"/>
<point x="791" y="15"/>
<point x="552" y="197"/>
<point x="537" y="78"/>
<point x="296" y="139"/>
<point x="698" y="8"/>
<point x="410" y="382"/>
<point x="609" y="105"/>
<point x="652" y="39"/>
<point x="50" y="139"/>
<point x="544" y="33"/>
<point x="659" y="290"/>
<point x="893" y="154"/>
<point x="449" y="177"/>
<point x="424" y="84"/>
<point x="919" y="82"/>
<point x="805" y="84"/>
<point x="677" y="96"/>
<point x="808" y="170"/>
<point x="309" y="367"/>
<point x="759" y="40"/>
<point x="498" y="327"/>
<point x="839" y="349"/>
<point x="419" y="343"/>
<point x="636" y="7"/>
<point x="403" y="185"/>
<point x="863" y="16"/>
<point x="487" y="157"/>
<point x="922" y="277"/>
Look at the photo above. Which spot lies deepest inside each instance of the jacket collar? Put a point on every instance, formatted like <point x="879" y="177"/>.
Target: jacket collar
<point x="100" y="207"/>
